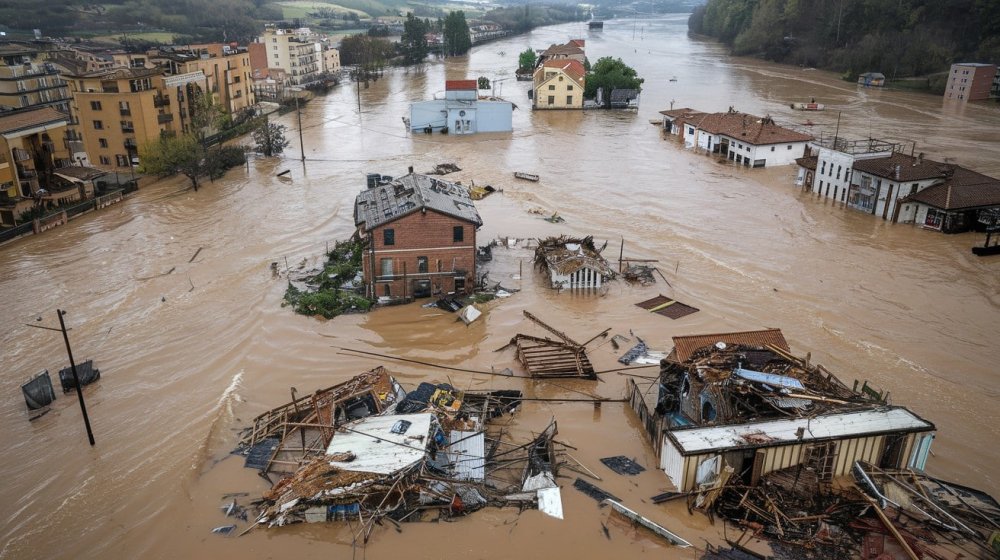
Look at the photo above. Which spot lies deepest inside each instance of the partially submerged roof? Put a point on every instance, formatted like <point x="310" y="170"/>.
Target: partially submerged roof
<point x="965" y="189"/>
<point x="750" y="128"/>
<point x="565" y="255"/>
<point x="568" y="49"/>
<point x="376" y="446"/>
<point x="12" y="123"/>
<point x="411" y="193"/>
<point x="623" y="95"/>
<point x="714" y="439"/>
<point x="686" y="346"/>
<point x="685" y="113"/>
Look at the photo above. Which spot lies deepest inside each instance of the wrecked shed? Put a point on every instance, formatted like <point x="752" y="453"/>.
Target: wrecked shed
<point x="892" y="437"/>
<point x="573" y="262"/>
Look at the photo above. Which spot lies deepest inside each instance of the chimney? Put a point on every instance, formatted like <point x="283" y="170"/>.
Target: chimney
<point x="899" y="168"/>
<point x="410" y="168"/>
<point x="920" y="158"/>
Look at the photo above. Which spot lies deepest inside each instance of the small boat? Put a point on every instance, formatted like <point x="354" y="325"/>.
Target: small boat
<point x="673" y="79"/>
<point x="811" y="106"/>
<point x="526" y="176"/>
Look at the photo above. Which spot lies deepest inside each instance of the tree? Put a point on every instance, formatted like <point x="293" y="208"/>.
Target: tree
<point x="270" y="138"/>
<point x="168" y="155"/>
<point x="527" y="59"/>
<point x="457" y="40"/>
<point x="483" y="82"/>
<point x="414" y="39"/>
<point x="206" y="115"/>
<point x="610" y="74"/>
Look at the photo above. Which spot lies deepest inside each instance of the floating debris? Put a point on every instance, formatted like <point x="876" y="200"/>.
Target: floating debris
<point x="526" y="176"/>
<point x="543" y="357"/>
<point x="623" y="465"/>
<point x="444" y="169"/>
<point x="646" y="523"/>
<point x="573" y="262"/>
<point x="662" y="305"/>
<point x="593" y="491"/>
<point x="85" y="372"/>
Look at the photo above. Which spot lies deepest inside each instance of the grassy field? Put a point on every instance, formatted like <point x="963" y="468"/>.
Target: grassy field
<point x="165" y="37"/>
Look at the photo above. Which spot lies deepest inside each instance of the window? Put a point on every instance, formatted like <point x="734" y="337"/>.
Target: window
<point x="105" y="160"/>
<point x="388" y="236"/>
<point x="552" y="100"/>
<point x="552" y="88"/>
<point x="422" y="264"/>
<point x="822" y="169"/>
<point x="772" y="148"/>
<point x="121" y="161"/>
<point x="458" y="234"/>
<point x="386" y="267"/>
<point x="95" y="105"/>
<point x="789" y="146"/>
<point x="569" y="99"/>
<point x="569" y="88"/>
<point x="103" y="142"/>
<point x="839" y="167"/>
<point x="98" y="125"/>
<point x="913" y="188"/>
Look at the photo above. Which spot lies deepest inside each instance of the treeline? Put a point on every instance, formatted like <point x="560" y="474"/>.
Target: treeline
<point x="900" y="38"/>
<point x="525" y="18"/>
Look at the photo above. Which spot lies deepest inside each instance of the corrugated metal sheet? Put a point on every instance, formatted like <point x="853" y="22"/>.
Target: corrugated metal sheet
<point x="550" y="502"/>
<point x="377" y="449"/>
<point x="684" y="346"/>
<point x="466" y="453"/>
<point x="769" y="378"/>
<point x="778" y="432"/>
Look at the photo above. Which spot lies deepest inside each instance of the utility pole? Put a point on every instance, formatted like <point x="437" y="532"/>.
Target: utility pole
<point x="302" y="147"/>
<point x="72" y="365"/>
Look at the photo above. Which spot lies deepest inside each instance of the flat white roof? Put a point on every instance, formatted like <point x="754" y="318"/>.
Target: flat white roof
<point x="692" y="441"/>
<point x="467" y="454"/>
<point x="377" y="449"/>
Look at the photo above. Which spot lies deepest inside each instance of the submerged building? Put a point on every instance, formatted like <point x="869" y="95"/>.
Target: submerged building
<point x="462" y="112"/>
<point x="741" y="401"/>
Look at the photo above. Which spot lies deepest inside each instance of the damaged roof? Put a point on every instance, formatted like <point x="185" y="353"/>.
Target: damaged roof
<point x="411" y="193"/>
<point x="374" y="446"/>
<point x="686" y="346"/>
<point x="564" y="255"/>
<point x="692" y="441"/>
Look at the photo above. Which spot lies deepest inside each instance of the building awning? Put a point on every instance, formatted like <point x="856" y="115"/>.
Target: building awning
<point x="184" y="79"/>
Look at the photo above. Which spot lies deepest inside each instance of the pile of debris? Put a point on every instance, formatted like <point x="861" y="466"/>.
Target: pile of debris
<point x="573" y="262"/>
<point x="444" y="169"/>
<point x="544" y="357"/>
<point x="368" y="451"/>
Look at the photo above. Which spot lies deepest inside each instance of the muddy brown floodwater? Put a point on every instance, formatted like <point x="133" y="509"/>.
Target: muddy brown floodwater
<point x="192" y="350"/>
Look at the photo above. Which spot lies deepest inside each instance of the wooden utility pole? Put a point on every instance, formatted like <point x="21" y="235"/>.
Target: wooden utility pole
<point x="76" y="378"/>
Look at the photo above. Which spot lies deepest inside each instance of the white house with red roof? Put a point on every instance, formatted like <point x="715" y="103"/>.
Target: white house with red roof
<point x="745" y="139"/>
<point x="461" y="111"/>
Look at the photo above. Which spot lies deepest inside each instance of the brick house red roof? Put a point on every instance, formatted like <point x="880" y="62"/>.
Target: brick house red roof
<point x="572" y="68"/>
<point x="685" y="346"/>
<point x="964" y="189"/>
<point x="750" y="128"/>
<point x="456" y="85"/>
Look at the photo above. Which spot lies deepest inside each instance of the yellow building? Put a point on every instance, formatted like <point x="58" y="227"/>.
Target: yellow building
<point x="29" y="80"/>
<point x="558" y="84"/>
<point x="31" y="149"/>
<point x="227" y="70"/>
<point x="118" y="110"/>
<point x="299" y="52"/>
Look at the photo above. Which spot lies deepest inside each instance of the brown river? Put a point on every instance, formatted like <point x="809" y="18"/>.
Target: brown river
<point x="191" y="351"/>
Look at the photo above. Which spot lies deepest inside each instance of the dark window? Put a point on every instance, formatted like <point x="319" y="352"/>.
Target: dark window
<point x="98" y="125"/>
<point x="422" y="264"/>
<point x="552" y="88"/>
<point x="458" y="233"/>
<point x="103" y="142"/>
<point x="569" y="99"/>
<point x="95" y="105"/>
<point x="552" y="100"/>
<point x="388" y="236"/>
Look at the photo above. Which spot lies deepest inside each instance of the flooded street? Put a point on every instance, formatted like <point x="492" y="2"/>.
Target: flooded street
<point x="191" y="351"/>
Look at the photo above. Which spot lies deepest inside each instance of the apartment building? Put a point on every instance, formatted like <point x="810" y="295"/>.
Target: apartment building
<point x="304" y="57"/>
<point x="970" y="81"/>
<point x="29" y="80"/>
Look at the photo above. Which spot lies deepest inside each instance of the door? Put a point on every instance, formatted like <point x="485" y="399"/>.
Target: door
<point x="421" y="288"/>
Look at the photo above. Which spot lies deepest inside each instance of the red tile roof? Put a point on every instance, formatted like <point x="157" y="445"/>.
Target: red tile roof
<point x="29" y="119"/>
<point x="750" y="128"/>
<point x="568" y="49"/>
<point x="577" y="42"/>
<point x="454" y="85"/>
<point x="964" y="189"/>
<point x="572" y="68"/>
<point x="685" y="346"/>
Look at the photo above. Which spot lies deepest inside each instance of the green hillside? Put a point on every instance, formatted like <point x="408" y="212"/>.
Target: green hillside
<point x="899" y="38"/>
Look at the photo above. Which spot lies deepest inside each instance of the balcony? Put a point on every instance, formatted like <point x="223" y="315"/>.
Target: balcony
<point x="161" y="101"/>
<point x="125" y="112"/>
<point x="26" y="173"/>
<point x="130" y="145"/>
<point x="21" y="155"/>
<point x="128" y="129"/>
<point x="165" y="118"/>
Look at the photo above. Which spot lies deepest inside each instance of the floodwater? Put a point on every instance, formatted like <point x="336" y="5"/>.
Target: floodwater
<point x="191" y="349"/>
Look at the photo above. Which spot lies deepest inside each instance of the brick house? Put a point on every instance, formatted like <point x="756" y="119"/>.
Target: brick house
<point x="419" y="234"/>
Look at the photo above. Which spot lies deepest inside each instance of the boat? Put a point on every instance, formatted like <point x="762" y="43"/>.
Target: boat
<point x="526" y="176"/>
<point x="595" y="24"/>
<point x="673" y="78"/>
<point x="811" y="106"/>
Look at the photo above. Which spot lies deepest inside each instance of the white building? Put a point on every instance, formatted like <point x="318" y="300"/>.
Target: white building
<point x="461" y="112"/>
<point x="299" y="52"/>
<point x="743" y="138"/>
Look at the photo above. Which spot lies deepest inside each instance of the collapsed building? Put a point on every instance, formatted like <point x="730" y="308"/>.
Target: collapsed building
<point x="573" y="262"/>
<point x="366" y="450"/>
